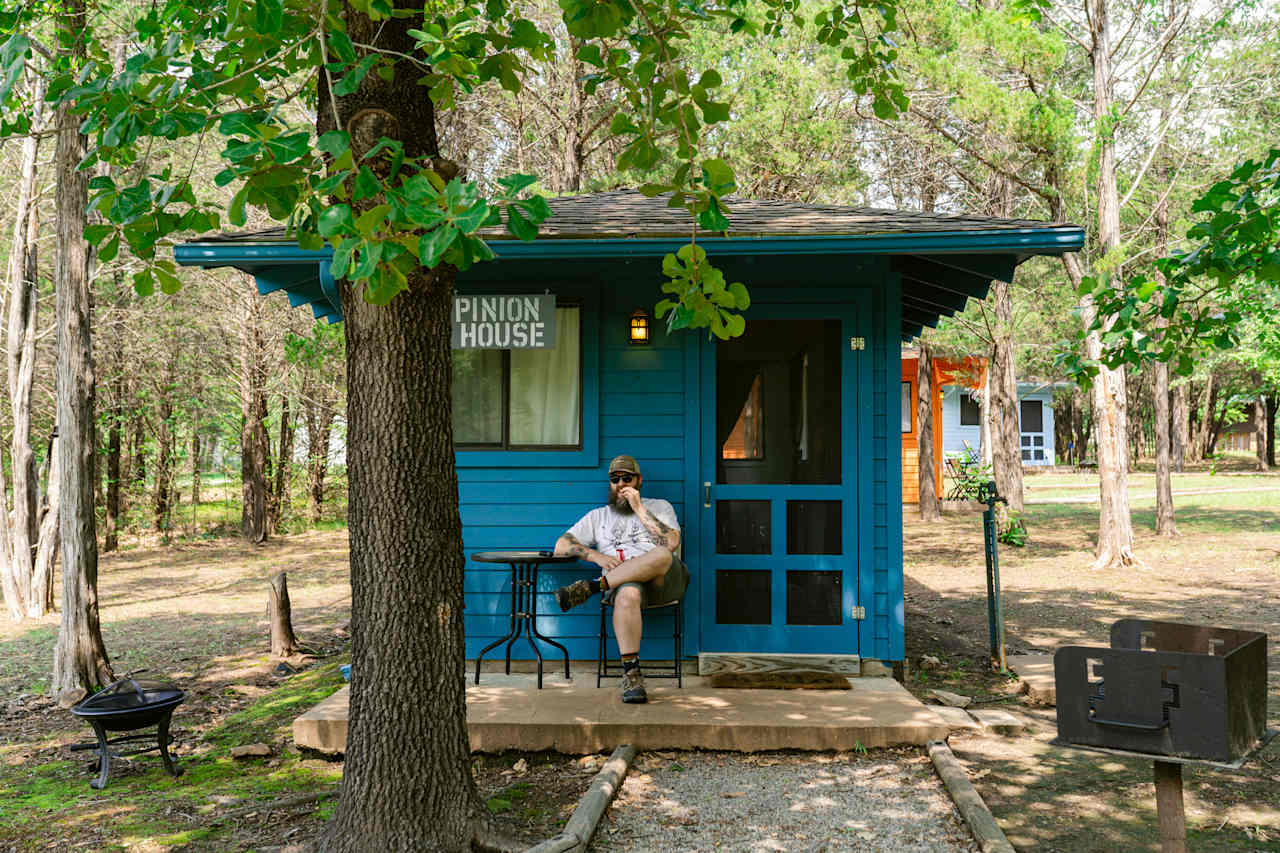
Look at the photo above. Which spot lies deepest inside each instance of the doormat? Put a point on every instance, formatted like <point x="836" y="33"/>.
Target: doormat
<point x="786" y="680"/>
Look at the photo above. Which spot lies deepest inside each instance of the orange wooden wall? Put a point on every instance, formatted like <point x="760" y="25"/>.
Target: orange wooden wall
<point x="967" y="371"/>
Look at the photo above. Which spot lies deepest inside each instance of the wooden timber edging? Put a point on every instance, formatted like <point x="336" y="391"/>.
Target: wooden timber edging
<point x="982" y="823"/>
<point x="586" y="817"/>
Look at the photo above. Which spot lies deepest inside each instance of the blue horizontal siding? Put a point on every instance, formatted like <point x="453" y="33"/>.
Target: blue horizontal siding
<point x="641" y="413"/>
<point x="649" y="408"/>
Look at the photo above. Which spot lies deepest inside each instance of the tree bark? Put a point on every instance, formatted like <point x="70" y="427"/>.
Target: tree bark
<point x="1180" y="438"/>
<point x="20" y="525"/>
<point x="1006" y="434"/>
<point x="1115" y="527"/>
<point x="1165" y="525"/>
<point x="1260" y="424"/>
<point x="930" y="508"/>
<point x="50" y="540"/>
<point x="280" y="497"/>
<point x="319" y="416"/>
<point x="1209" y="397"/>
<point x="162" y="493"/>
<point x="405" y="528"/>
<point x="283" y="643"/>
<point x="80" y="658"/>
<point x="1272" y="401"/>
<point x="253" y="433"/>
<point x="115" y="421"/>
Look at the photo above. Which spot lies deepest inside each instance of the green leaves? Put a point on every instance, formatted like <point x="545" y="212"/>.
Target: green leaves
<point x="700" y="298"/>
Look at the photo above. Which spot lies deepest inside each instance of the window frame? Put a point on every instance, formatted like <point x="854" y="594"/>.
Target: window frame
<point x="911" y="408"/>
<point x="586" y="454"/>
<point x="960" y="402"/>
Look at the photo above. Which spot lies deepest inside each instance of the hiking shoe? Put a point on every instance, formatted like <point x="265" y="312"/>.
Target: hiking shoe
<point x="633" y="688"/>
<point x="569" y="597"/>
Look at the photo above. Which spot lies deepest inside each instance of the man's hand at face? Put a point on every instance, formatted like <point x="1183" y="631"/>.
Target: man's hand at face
<point x="632" y="496"/>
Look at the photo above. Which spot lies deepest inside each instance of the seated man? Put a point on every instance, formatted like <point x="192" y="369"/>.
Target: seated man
<point x="636" y="540"/>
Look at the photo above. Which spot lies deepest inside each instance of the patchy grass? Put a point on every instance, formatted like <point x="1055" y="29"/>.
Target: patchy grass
<point x="196" y="612"/>
<point x="49" y="802"/>
<point x="1223" y="570"/>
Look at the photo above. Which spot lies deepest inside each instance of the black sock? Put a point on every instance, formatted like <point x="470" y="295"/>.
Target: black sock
<point x="631" y="663"/>
<point x="594" y="585"/>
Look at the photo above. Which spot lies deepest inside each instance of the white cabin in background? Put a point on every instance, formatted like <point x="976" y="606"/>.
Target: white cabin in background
<point x="962" y="421"/>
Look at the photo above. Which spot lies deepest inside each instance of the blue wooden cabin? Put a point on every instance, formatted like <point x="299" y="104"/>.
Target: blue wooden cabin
<point x="777" y="448"/>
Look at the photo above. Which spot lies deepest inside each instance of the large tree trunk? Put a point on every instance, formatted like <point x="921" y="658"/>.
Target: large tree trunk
<point x="1006" y="434"/>
<point x="253" y="433"/>
<point x="1115" y="527"/>
<point x="80" y="658"/>
<point x="930" y="508"/>
<point x="407" y="698"/>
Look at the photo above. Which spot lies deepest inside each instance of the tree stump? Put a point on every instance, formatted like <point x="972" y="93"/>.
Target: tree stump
<point x="283" y="643"/>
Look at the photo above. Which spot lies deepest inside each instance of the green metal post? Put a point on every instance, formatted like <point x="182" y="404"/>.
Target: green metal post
<point x="995" y="614"/>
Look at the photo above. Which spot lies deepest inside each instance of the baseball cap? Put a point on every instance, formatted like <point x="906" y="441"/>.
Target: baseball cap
<point x="625" y="463"/>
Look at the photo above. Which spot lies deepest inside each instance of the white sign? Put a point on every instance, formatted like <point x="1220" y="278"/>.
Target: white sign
<point x="504" y="322"/>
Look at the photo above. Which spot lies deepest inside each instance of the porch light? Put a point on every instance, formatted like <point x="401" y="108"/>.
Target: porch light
<point x="639" y="331"/>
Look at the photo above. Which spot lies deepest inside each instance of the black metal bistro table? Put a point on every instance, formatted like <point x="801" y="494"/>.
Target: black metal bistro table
<point x="524" y="602"/>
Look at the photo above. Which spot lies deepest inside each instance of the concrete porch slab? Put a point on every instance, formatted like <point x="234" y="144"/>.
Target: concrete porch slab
<point x="509" y="712"/>
<point x="1036" y="674"/>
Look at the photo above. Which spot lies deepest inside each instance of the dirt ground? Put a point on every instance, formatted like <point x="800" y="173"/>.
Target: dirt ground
<point x="1224" y="570"/>
<point x="197" y="613"/>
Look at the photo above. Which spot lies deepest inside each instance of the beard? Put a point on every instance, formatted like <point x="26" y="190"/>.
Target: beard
<point x="619" y="503"/>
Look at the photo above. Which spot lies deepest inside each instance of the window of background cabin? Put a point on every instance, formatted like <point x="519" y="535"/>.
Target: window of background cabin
<point x="906" y="406"/>
<point x="970" y="412"/>
<point x="524" y="398"/>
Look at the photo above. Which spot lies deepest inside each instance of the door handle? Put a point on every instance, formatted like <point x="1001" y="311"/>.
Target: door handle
<point x="706" y="494"/>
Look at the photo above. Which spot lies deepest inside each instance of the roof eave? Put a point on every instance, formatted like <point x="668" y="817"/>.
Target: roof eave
<point x="1023" y="242"/>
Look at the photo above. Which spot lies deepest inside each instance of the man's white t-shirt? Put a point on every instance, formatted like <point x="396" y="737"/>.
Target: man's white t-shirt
<point x="609" y="531"/>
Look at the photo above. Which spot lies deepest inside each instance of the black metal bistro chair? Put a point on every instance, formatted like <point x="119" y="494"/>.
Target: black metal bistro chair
<point x="651" y="670"/>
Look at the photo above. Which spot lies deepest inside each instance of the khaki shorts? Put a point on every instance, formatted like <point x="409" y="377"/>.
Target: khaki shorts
<point x="664" y="590"/>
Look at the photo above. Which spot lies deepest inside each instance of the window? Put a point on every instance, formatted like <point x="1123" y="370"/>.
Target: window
<point x="906" y="406"/>
<point x="1032" y="416"/>
<point x="970" y="413"/>
<point x="524" y="398"/>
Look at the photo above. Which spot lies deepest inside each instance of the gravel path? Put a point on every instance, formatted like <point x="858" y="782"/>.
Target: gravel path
<point x="889" y="800"/>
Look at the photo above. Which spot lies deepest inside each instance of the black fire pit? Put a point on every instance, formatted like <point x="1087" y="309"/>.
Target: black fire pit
<point x="1177" y="694"/>
<point x="127" y="705"/>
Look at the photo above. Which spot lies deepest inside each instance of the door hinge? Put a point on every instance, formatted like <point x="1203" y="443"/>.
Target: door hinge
<point x="859" y="612"/>
<point x="857" y="343"/>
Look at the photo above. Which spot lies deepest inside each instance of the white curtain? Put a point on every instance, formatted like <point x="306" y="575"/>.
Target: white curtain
<point x="546" y="387"/>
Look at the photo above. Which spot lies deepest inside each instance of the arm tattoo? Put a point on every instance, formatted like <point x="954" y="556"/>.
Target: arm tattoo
<point x="574" y="547"/>
<point x="667" y="535"/>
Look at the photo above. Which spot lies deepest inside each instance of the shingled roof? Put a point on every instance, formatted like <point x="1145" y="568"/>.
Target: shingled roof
<point x="943" y="260"/>
<point x="622" y="214"/>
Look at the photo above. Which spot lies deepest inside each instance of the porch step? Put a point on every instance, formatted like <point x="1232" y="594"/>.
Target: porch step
<point x="876" y="712"/>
